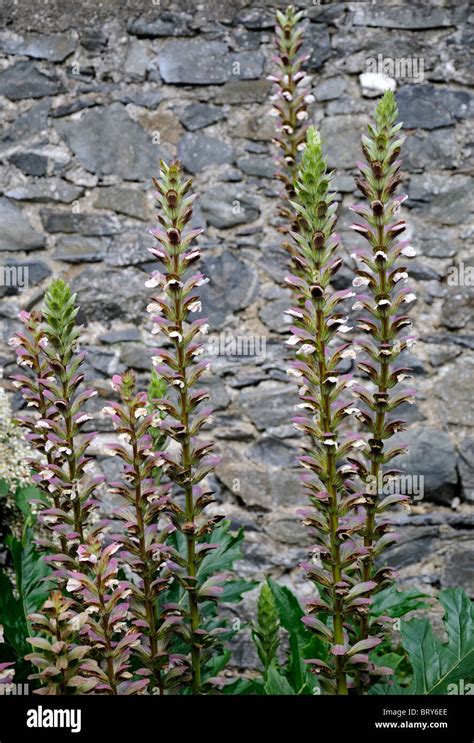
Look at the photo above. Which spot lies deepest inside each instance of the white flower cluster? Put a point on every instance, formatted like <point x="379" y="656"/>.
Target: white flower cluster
<point x="15" y="453"/>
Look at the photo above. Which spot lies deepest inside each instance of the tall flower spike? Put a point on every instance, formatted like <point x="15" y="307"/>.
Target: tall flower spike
<point x="59" y="657"/>
<point x="65" y="392"/>
<point x="104" y="597"/>
<point x="180" y="368"/>
<point x="333" y="503"/>
<point x="142" y="535"/>
<point x="289" y="102"/>
<point x="381" y="270"/>
<point x="30" y="344"/>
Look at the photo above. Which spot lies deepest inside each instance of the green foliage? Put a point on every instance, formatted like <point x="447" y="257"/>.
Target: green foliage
<point x="396" y="603"/>
<point x="437" y="664"/>
<point x="281" y="609"/>
<point x="265" y="631"/>
<point x="18" y="600"/>
<point x="277" y="684"/>
<point x="59" y="312"/>
<point x="219" y="560"/>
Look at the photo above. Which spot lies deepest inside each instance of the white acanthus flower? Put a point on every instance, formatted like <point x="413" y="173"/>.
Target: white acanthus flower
<point x="306" y="348"/>
<point x="348" y="353"/>
<point x="153" y="307"/>
<point x="153" y="281"/>
<point x="195" y="306"/>
<point x="399" y="276"/>
<point x="360" y="281"/>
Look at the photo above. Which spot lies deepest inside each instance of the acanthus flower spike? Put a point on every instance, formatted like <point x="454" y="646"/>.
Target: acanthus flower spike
<point x="143" y="501"/>
<point x="332" y="515"/>
<point x="290" y="103"/>
<point x="182" y="371"/>
<point x="382" y="270"/>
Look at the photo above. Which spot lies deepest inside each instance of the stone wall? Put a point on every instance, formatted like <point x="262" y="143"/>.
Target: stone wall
<point x="93" y="94"/>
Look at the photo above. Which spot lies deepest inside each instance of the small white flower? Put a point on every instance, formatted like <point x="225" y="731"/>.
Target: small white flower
<point x="194" y="254"/>
<point x="84" y="417"/>
<point x="306" y="348"/>
<point x="410" y="342"/>
<point x="348" y="353"/>
<point x="302" y="115"/>
<point x="360" y="281"/>
<point x="205" y="328"/>
<point x="107" y="411"/>
<point x="42" y="424"/>
<point x="301" y="146"/>
<point x="153" y="307"/>
<point x="330" y="442"/>
<point x="201" y="281"/>
<point x="336" y="321"/>
<point x="46" y="474"/>
<point x="73" y="585"/>
<point x="309" y="98"/>
<point x="359" y="444"/>
<point x="274" y="112"/>
<point x="380" y="254"/>
<point x="176" y="334"/>
<point x="399" y="276"/>
<point x="195" y="306"/>
<point x="357" y="306"/>
<point x="50" y="519"/>
<point x="14" y="342"/>
<point x="178" y="383"/>
<point x="140" y="412"/>
<point x="383" y="302"/>
<point x="344" y="328"/>
<point x="409" y="298"/>
<point x="294" y="373"/>
<point x="154" y="281"/>
<point x="43" y="342"/>
<point x="293" y="340"/>
<point x="409" y="251"/>
<point x="294" y="313"/>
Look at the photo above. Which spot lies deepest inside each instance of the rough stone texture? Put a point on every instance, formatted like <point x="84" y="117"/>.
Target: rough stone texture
<point x="107" y="142"/>
<point x="16" y="232"/>
<point x="24" y="80"/>
<point x="92" y="95"/>
<point x="198" y="151"/>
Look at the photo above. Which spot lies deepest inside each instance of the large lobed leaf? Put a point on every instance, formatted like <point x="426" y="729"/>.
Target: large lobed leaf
<point x="437" y="664"/>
